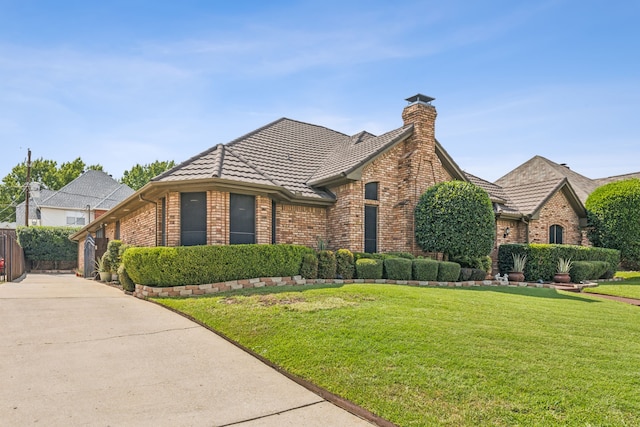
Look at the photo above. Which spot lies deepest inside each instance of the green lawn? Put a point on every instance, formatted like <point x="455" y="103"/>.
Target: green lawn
<point x="493" y="356"/>
<point x="629" y="288"/>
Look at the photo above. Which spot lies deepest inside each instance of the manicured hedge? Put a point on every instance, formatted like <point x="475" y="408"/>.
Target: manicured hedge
<point x="448" y="271"/>
<point x="582" y="271"/>
<point x="542" y="259"/>
<point x="398" y="268"/>
<point x="345" y="267"/>
<point x="369" y="268"/>
<point x="193" y="265"/>
<point x="48" y="243"/>
<point x="425" y="270"/>
<point x="326" y="265"/>
<point x="475" y="274"/>
<point x="309" y="268"/>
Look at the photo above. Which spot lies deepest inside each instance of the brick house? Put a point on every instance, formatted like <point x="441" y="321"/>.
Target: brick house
<point x="298" y="183"/>
<point x="291" y="182"/>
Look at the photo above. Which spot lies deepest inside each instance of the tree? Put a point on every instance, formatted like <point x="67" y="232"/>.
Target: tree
<point x="138" y="176"/>
<point x="44" y="172"/>
<point x="613" y="212"/>
<point x="455" y="218"/>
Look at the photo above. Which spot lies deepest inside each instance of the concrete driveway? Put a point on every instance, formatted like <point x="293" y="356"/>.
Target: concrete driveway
<point x="76" y="352"/>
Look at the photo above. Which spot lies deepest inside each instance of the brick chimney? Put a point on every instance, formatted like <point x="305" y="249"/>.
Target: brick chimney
<point x="419" y="164"/>
<point x="422" y="115"/>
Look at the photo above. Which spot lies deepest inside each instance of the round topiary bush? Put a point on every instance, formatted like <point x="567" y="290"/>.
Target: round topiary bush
<point x="457" y="219"/>
<point x="613" y="211"/>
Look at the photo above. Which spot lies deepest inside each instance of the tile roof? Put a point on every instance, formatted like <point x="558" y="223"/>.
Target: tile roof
<point x="529" y="197"/>
<point x="288" y="154"/>
<point x="539" y="169"/>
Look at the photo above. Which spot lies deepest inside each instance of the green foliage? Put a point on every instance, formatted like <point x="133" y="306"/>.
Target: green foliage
<point x="326" y="264"/>
<point x="125" y="280"/>
<point x="139" y="175"/>
<point x="581" y="271"/>
<point x="448" y="271"/>
<point x="542" y="259"/>
<point x="398" y="268"/>
<point x="369" y="268"/>
<point x="519" y="262"/>
<point x="481" y="263"/>
<point x="104" y="263"/>
<point x="425" y="270"/>
<point x="193" y="265"/>
<point x="48" y="243"/>
<point x="564" y="265"/>
<point x="345" y="267"/>
<point x="471" y="274"/>
<point x="113" y="254"/>
<point x="406" y="255"/>
<point x="309" y="268"/>
<point x="613" y="211"/>
<point x="455" y="218"/>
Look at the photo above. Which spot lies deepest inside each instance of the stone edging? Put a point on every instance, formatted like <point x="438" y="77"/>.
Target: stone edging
<point x="143" y="291"/>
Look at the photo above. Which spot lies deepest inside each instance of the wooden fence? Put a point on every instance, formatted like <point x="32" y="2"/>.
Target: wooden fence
<point x="11" y="251"/>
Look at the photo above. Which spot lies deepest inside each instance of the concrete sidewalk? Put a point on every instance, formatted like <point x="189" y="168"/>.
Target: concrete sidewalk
<point x="76" y="352"/>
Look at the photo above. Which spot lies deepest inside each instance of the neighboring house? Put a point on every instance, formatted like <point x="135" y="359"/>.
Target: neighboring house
<point x="76" y="204"/>
<point x="299" y="183"/>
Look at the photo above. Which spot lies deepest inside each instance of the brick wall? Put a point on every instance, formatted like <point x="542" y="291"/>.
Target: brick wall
<point x="300" y="225"/>
<point x="558" y="211"/>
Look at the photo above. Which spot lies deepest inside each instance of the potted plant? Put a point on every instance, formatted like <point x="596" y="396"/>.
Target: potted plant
<point x="517" y="272"/>
<point x="562" y="271"/>
<point x="103" y="268"/>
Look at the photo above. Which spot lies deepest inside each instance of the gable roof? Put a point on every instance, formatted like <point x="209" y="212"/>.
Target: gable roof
<point x="540" y="169"/>
<point x="93" y="188"/>
<point x="297" y="157"/>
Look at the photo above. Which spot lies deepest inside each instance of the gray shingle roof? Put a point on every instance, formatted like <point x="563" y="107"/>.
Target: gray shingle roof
<point x="93" y="188"/>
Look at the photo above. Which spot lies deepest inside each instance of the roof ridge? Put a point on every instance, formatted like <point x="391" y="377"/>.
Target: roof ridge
<point x="255" y="168"/>
<point x="184" y="163"/>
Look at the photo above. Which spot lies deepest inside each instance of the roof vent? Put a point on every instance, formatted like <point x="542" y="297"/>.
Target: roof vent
<point x="420" y="99"/>
<point x="565" y="165"/>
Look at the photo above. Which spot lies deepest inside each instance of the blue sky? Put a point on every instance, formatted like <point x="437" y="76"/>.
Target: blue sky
<point x="126" y="82"/>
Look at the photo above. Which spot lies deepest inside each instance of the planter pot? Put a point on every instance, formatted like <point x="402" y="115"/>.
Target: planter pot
<point x="114" y="277"/>
<point x="516" y="276"/>
<point x="562" y="278"/>
<point x="105" y="276"/>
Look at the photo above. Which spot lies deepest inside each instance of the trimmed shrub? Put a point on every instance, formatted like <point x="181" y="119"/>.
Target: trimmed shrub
<point x="613" y="211"/>
<point x="326" y="265"/>
<point x="581" y="271"/>
<point x="369" y="268"/>
<point x="345" y="267"/>
<point x="125" y="280"/>
<point x="425" y="270"/>
<point x="455" y="218"/>
<point x="194" y="265"/>
<point x="480" y="263"/>
<point x="397" y="268"/>
<point x="542" y="259"/>
<point x="113" y="254"/>
<point x="475" y="274"/>
<point x="406" y="255"/>
<point x="309" y="267"/>
<point x="448" y="271"/>
<point x="48" y="244"/>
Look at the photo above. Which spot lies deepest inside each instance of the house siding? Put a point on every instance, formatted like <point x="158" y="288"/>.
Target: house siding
<point x="300" y="225"/>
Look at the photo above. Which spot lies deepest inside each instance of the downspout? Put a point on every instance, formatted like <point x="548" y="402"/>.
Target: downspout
<point x="156" y="214"/>
<point x="525" y="220"/>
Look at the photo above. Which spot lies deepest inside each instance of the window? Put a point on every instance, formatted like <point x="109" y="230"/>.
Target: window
<point x="75" y="218"/>
<point x="242" y="219"/>
<point x="193" y="219"/>
<point x="117" y="234"/>
<point x="555" y="234"/>
<point x="371" y="191"/>
<point x="371" y="229"/>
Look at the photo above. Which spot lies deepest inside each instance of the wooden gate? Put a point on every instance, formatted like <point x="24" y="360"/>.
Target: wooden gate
<point x="11" y="251"/>
<point x="94" y="248"/>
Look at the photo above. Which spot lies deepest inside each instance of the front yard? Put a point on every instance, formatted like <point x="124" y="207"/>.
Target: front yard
<point x="629" y="288"/>
<point x="446" y="356"/>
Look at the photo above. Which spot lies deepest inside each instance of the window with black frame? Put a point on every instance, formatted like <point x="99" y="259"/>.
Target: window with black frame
<point x="555" y="234"/>
<point x="242" y="219"/>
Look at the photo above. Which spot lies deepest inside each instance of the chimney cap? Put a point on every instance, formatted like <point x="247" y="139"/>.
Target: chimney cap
<point x="420" y="98"/>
